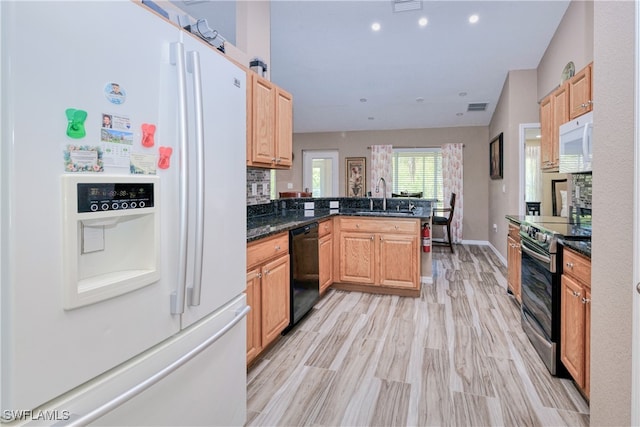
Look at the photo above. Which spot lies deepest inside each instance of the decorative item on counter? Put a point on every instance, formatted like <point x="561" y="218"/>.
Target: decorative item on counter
<point x="75" y="123"/>
<point x="165" y="157"/>
<point x="114" y="93"/>
<point x="148" y="132"/>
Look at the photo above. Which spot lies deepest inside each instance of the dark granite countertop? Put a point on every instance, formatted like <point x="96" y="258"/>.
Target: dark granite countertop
<point x="582" y="247"/>
<point x="263" y="221"/>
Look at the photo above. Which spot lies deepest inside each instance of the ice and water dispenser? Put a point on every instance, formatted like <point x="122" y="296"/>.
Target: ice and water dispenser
<point x="111" y="236"/>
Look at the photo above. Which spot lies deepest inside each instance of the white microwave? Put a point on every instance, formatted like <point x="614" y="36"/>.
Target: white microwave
<point x="576" y="142"/>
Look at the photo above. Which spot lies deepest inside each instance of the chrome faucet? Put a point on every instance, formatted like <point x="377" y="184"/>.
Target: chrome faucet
<point x="384" y="189"/>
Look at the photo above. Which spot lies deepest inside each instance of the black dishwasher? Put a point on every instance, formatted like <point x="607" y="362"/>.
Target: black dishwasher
<point x="305" y="282"/>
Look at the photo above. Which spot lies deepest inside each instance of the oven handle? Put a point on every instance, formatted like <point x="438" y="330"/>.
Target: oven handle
<point x="549" y="260"/>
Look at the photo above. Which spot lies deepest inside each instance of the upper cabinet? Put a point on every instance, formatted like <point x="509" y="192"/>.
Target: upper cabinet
<point x="580" y="93"/>
<point x="570" y="100"/>
<point x="269" y="124"/>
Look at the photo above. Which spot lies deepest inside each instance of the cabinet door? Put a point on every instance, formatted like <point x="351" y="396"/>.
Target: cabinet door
<point x="514" y="257"/>
<point x="517" y="279"/>
<point x="398" y="260"/>
<point x="572" y="333"/>
<point x="254" y="337"/>
<point x="580" y="93"/>
<point x="560" y="117"/>
<point x="357" y="257"/>
<point x="284" y="128"/>
<point x="546" y="133"/>
<point x="325" y="258"/>
<point x="275" y="298"/>
<point x="263" y="121"/>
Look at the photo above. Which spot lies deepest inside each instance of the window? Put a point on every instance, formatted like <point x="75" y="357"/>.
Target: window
<point x="418" y="170"/>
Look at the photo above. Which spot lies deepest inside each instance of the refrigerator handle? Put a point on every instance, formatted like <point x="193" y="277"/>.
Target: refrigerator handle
<point x="177" y="59"/>
<point x="153" y="379"/>
<point x="193" y="67"/>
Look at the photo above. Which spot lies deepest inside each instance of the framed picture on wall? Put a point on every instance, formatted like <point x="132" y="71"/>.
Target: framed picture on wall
<point x="495" y="157"/>
<point x="355" y="175"/>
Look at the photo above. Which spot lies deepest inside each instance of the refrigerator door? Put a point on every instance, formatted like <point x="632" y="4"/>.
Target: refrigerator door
<point x="58" y="56"/>
<point x="216" y="94"/>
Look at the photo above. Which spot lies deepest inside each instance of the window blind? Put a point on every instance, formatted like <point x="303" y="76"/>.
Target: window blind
<point x="418" y="170"/>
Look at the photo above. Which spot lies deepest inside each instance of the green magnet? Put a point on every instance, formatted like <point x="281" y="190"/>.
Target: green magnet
<point x="75" y="126"/>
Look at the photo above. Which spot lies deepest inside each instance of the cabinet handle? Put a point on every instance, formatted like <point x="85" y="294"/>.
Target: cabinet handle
<point x="372" y="238"/>
<point x="586" y="300"/>
<point x="326" y="227"/>
<point x="576" y="294"/>
<point x="381" y="239"/>
<point x="273" y="160"/>
<point x="266" y="272"/>
<point x="259" y="275"/>
<point x="396" y="227"/>
<point x="569" y="265"/>
<point x="357" y="225"/>
<point x="277" y="247"/>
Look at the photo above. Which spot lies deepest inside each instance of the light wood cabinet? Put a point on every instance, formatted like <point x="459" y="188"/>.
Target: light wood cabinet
<point x="572" y="99"/>
<point x="580" y="92"/>
<point x="378" y="254"/>
<point x="269" y="124"/>
<point x="325" y="255"/>
<point x="268" y="293"/>
<point x="575" y="318"/>
<point x="514" y="260"/>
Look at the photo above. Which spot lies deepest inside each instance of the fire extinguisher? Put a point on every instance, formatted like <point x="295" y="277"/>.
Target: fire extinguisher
<point x="426" y="238"/>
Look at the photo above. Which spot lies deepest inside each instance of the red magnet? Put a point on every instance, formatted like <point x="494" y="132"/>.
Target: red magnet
<point x="148" y="131"/>
<point x="165" y="156"/>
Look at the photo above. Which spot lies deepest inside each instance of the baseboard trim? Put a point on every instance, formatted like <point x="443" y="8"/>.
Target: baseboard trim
<point x="426" y="280"/>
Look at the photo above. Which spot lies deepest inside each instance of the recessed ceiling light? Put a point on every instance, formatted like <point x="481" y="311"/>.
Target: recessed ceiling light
<point x="363" y="99"/>
<point x="459" y="114"/>
<point x="419" y="99"/>
<point x="473" y="19"/>
<point x="370" y="118"/>
<point x="462" y="94"/>
<point x="423" y="22"/>
<point x="375" y="26"/>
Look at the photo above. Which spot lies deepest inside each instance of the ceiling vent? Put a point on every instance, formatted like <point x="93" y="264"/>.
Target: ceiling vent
<point x="477" y="106"/>
<point x="406" y="5"/>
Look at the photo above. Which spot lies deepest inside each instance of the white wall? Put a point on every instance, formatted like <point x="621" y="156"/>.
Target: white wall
<point x="613" y="177"/>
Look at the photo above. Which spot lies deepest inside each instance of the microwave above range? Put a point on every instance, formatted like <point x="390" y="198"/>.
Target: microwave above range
<point x="576" y="143"/>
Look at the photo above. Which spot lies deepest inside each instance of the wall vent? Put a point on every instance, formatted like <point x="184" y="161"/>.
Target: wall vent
<point x="477" y="106"/>
<point x="406" y="5"/>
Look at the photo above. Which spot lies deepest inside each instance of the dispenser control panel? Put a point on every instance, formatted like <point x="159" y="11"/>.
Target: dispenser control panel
<point x="100" y="197"/>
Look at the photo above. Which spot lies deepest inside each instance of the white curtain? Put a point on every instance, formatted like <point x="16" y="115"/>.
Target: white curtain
<point x="533" y="186"/>
<point x="381" y="167"/>
<point x="453" y="179"/>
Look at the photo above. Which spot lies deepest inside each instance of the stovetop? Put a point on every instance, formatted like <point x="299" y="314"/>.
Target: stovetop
<point x="570" y="228"/>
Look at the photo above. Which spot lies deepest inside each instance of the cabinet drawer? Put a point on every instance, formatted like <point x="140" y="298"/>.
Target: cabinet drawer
<point x="577" y="266"/>
<point x="375" y="225"/>
<point x="264" y="249"/>
<point x="325" y="227"/>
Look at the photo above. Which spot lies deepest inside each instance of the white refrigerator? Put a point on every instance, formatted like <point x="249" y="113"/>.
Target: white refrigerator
<point x="123" y="227"/>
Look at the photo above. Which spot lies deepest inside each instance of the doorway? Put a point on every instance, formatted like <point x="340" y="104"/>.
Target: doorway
<point x="530" y="173"/>
<point x="320" y="172"/>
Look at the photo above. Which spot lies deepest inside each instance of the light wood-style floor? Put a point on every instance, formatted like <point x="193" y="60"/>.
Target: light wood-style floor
<point x="456" y="356"/>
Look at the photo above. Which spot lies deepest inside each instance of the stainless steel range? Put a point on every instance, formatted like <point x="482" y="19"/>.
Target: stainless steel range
<point x="541" y="262"/>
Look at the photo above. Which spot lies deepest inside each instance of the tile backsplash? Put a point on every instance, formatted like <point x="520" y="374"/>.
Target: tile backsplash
<point x="581" y="194"/>
<point x="261" y="179"/>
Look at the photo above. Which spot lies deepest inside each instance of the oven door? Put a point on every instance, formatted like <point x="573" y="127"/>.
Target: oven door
<point x="538" y="282"/>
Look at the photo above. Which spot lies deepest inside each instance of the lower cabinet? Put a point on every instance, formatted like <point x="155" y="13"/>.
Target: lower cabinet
<point x="379" y="253"/>
<point x="325" y="255"/>
<point x="268" y="293"/>
<point x="575" y="341"/>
